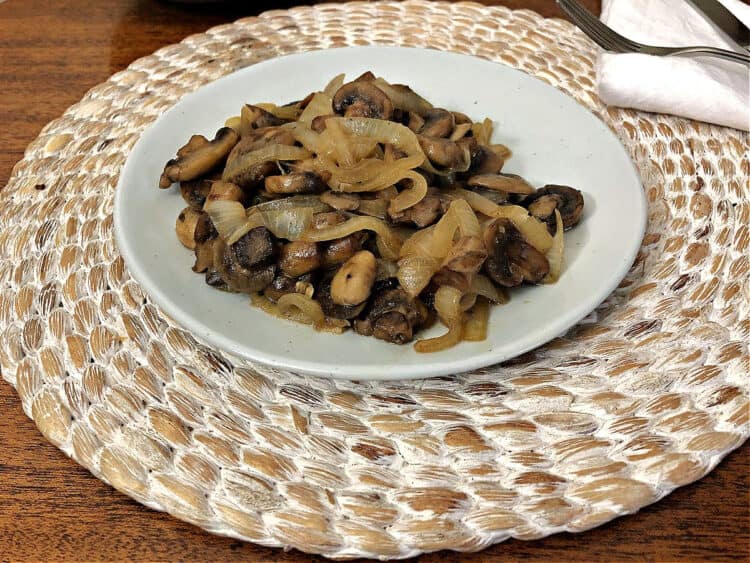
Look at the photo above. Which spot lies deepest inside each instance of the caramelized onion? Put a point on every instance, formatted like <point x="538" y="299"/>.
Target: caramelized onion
<point x="475" y="326"/>
<point x="238" y="166"/>
<point x="286" y="218"/>
<point x="229" y="219"/>
<point x="412" y="195"/>
<point x="387" y="237"/>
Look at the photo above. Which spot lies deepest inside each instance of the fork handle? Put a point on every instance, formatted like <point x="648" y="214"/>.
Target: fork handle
<point x="709" y="51"/>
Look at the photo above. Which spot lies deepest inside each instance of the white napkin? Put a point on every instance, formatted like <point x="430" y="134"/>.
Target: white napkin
<point x="702" y="88"/>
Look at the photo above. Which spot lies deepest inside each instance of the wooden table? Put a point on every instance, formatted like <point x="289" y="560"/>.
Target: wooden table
<point x="51" y="509"/>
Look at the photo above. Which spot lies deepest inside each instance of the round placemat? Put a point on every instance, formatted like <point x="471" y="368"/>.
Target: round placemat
<point x="646" y="394"/>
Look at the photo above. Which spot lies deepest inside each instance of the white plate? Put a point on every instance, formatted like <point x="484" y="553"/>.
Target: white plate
<point x="554" y="140"/>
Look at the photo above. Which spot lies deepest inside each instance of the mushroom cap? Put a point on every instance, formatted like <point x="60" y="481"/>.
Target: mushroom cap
<point x="299" y="257"/>
<point x="247" y="266"/>
<point x="334" y="310"/>
<point x="542" y="204"/>
<point x="393" y="316"/>
<point x="295" y="183"/>
<point x="511" y="259"/>
<point x="454" y="156"/>
<point x="437" y="123"/>
<point x="362" y="99"/>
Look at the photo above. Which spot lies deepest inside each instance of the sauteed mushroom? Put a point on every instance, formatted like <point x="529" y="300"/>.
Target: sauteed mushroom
<point x="363" y="206"/>
<point x="196" y="163"/>
<point x="295" y="183"/>
<point x="393" y="317"/>
<point x="452" y="155"/>
<point x="362" y="99"/>
<point x="567" y="200"/>
<point x="437" y="123"/>
<point x="511" y="259"/>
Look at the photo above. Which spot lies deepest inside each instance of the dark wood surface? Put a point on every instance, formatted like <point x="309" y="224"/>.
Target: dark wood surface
<point x="51" y="509"/>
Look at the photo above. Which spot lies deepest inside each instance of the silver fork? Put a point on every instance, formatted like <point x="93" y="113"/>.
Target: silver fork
<point x="609" y="40"/>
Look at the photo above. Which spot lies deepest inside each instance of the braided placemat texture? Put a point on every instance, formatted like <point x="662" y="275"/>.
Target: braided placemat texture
<point x="647" y="394"/>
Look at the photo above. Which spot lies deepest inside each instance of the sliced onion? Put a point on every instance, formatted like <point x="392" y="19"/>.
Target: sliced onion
<point x="282" y="112"/>
<point x="304" y="135"/>
<point x="295" y="314"/>
<point x="412" y="195"/>
<point x="311" y="311"/>
<point x="321" y="104"/>
<point x="415" y="272"/>
<point x="482" y="132"/>
<point x="406" y="100"/>
<point x="367" y="169"/>
<point x="228" y="218"/>
<point x="373" y="207"/>
<point x="419" y="244"/>
<point x="236" y="167"/>
<point x="233" y="122"/>
<point x="475" y="326"/>
<point x="533" y="230"/>
<point x="482" y="285"/>
<point x="386" y="269"/>
<point x="507" y="183"/>
<point x="450" y="304"/>
<point x="400" y="136"/>
<point x="466" y="220"/>
<point x="389" y="243"/>
<point x="286" y="218"/>
<point x="333" y="86"/>
<point x="555" y="254"/>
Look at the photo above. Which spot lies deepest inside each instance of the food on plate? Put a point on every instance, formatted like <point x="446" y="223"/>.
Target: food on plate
<point x="362" y="206"/>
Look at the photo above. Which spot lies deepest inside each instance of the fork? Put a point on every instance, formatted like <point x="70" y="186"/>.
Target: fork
<point x="609" y="40"/>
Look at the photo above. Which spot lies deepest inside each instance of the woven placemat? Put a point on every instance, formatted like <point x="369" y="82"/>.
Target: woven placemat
<point x="647" y="394"/>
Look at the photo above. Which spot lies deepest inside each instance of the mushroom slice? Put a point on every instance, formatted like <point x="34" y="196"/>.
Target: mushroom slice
<point x="253" y="117"/>
<point x="422" y="214"/>
<point x="366" y="76"/>
<point x="393" y="317"/>
<point x="283" y="284"/>
<point x="461" y="118"/>
<point x="332" y="309"/>
<point x="487" y="161"/>
<point x="460" y="131"/>
<point x="341" y="249"/>
<point x="511" y="259"/>
<point x="542" y="204"/>
<point x="299" y="257"/>
<point x="437" y="123"/>
<point x="508" y="183"/>
<point x="362" y="99"/>
<point x="416" y="122"/>
<point x="191" y="225"/>
<point x="200" y="161"/>
<point x="232" y="264"/>
<point x="195" y="192"/>
<point x="195" y="142"/>
<point x="341" y="201"/>
<point x="466" y="255"/>
<point x="295" y="183"/>
<point x="453" y="156"/>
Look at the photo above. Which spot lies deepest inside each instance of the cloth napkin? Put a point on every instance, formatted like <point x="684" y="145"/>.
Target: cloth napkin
<point x="702" y="88"/>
